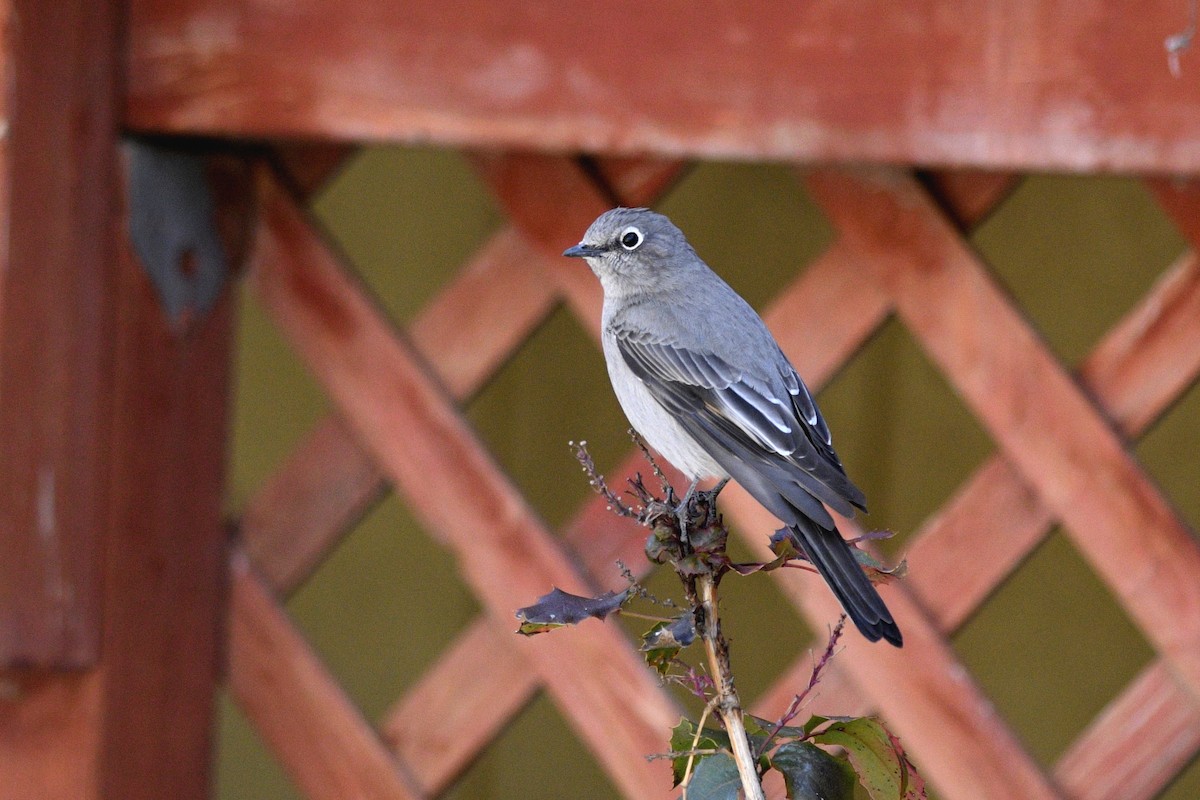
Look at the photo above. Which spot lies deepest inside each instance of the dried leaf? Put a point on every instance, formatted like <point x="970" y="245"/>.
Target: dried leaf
<point x="664" y="641"/>
<point x="559" y="608"/>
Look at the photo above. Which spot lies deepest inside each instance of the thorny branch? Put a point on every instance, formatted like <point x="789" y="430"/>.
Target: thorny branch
<point x="798" y="701"/>
<point x="691" y="537"/>
<point x="700" y="561"/>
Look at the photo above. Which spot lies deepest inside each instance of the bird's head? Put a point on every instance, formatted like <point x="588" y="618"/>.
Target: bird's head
<point x="634" y="249"/>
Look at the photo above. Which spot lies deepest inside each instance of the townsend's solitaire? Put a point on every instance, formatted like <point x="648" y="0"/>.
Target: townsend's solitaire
<point x="703" y="381"/>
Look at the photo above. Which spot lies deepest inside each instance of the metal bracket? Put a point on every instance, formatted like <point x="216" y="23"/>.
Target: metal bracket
<point x="173" y="228"/>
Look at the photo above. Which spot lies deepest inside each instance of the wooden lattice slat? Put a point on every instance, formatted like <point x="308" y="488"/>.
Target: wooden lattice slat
<point x="467" y="331"/>
<point x="1137" y="745"/>
<point x="331" y="752"/>
<point x="1046" y="427"/>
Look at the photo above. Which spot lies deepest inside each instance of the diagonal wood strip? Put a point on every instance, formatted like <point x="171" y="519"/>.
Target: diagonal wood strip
<point x="1048" y="430"/>
<point x="1136" y="371"/>
<point x="465" y="333"/>
<point x="929" y="700"/>
<point x="459" y="493"/>
<point x="329" y="750"/>
<point x="329" y="480"/>
<point x="1137" y="744"/>
<point x="468" y="331"/>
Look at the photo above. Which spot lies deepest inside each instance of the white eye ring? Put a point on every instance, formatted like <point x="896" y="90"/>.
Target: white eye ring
<point x="631" y="238"/>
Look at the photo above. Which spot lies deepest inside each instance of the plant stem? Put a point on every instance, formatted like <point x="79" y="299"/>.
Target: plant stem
<point x="728" y="706"/>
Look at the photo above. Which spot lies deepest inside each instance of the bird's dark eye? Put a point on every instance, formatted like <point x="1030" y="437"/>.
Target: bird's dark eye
<point x="631" y="238"/>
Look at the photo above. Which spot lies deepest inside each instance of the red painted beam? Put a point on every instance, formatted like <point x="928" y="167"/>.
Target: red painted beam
<point x="1015" y="85"/>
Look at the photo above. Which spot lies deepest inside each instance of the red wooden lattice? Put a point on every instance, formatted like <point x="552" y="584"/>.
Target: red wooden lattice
<point x="991" y="96"/>
<point x="899" y="252"/>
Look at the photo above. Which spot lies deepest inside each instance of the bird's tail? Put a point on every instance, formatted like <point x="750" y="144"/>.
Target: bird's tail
<point x="833" y="558"/>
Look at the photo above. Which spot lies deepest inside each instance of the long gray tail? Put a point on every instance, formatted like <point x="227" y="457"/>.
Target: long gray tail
<point x="833" y="558"/>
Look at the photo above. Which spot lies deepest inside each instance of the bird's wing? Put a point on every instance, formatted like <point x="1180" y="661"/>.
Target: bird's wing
<point x="771" y="428"/>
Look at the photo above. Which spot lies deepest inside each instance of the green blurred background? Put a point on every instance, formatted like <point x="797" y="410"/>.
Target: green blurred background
<point x="1050" y="647"/>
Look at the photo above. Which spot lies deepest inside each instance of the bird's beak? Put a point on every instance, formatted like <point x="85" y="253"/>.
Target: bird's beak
<point x="582" y="251"/>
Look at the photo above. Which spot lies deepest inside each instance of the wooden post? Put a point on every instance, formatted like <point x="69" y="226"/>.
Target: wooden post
<point x="57" y="284"/>
<point x="112" y="446"/>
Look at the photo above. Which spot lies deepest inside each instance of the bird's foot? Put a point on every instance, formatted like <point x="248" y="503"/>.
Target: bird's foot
<point x="683" y="511"/>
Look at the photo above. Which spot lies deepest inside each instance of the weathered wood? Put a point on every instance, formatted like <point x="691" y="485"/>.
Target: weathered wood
<point x="1025" y="85"/>
<point x="457" y="491"/>
<point x="1139" y="742"/>
<point x="58" y="187"/>
<point x="329" y="750"/>
<point x="1041" y="420"/>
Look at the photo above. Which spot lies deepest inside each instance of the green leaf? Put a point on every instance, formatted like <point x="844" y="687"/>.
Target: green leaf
<point x="664" y="641"/>
<point x="809" y="773"/>
<point x="559" y="608"/>
<point x="715" y="778"/>
<point x="882" y="770"/>
<point x="684" y="740"/>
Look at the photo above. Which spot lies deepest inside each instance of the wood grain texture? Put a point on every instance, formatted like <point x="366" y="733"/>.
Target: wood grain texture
<point x="1137" y="744"/>
<point x="165" y="575"/>
<point x="458" y="492"/>
<point x="1018" y="85"/>
<point x="1041" y="420"/>
<point x="58" y="189"/>
<point x="465" y="334"/>
<point x="328" y="749"/>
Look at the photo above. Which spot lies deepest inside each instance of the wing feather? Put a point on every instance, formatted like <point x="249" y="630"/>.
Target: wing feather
<point x="746" y="423"/>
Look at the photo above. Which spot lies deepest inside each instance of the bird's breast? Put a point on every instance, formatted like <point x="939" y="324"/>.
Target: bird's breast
<point x="655" y="424"/>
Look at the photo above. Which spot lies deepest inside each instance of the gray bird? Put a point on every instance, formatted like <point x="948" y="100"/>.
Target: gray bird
<point x="703" y="381"/>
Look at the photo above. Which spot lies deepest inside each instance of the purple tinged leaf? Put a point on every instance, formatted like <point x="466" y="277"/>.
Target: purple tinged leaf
<point x="664" y="641"/>
<point x="559" y="608"/>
